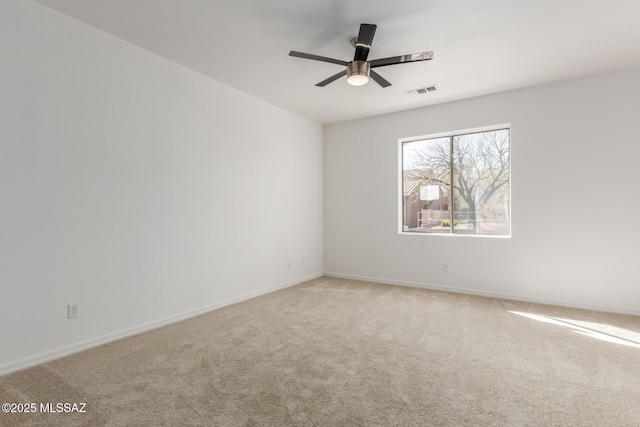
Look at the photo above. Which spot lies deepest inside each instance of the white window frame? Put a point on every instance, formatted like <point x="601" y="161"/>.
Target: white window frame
<point x="400" y="195"/>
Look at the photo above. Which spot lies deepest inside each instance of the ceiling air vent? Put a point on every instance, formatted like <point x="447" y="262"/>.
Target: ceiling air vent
<point x="422" y="90"/>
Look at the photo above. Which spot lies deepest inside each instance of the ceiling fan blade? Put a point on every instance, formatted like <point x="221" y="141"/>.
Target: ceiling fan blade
<point x="412" y="57"/>
<point x="317" y="58"/>
<point x="332" y="78"/>
<point x="379" y="79"/>
<point x="364" y="40"/>
<point x="365" y="36"/>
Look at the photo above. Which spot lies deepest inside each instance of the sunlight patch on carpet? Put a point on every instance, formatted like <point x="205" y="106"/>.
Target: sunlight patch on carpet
<point x="598" y="331"/>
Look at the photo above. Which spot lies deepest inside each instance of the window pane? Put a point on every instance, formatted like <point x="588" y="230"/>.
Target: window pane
<point x="425" y="185"/>
<point x="481" y="182"/>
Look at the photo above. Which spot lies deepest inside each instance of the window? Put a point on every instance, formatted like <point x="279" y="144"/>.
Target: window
<point x="457" y="183"/>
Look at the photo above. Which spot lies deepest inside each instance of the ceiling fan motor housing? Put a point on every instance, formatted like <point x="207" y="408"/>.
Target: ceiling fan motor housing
<point x="358" y="72"/>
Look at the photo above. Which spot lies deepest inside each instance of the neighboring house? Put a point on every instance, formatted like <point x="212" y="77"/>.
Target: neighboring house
<point x="425" y="211"/>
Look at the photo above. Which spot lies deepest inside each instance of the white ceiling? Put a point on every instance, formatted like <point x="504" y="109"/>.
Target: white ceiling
<point x="480" y="47"/>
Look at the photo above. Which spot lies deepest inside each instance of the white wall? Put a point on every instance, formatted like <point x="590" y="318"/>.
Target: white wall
<point x="575" y="198"/>
<point x="137" y="188"/>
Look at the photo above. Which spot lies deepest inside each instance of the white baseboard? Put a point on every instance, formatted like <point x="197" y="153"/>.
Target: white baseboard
<point x="480" y="292"/>
<point x="95" y="342"/>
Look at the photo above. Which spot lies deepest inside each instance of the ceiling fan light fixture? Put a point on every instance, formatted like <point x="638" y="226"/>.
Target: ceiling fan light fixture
<point x="358" y="73"/>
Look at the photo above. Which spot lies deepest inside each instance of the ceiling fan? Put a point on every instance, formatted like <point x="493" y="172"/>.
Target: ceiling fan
<point x="360" y="70"/>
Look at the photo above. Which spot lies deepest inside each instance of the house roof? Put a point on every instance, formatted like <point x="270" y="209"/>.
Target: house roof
<point x="413" y="178"/>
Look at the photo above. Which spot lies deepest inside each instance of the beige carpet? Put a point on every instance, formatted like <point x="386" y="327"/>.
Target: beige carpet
<point x="335" y="352"/>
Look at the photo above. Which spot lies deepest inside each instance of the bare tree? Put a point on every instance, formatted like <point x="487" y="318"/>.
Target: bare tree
<point x="481" y="164"/>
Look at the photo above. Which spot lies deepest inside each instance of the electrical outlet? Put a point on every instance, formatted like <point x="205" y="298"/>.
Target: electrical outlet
<point x="445" y="268"/>
<point x="290" y="265"/>
<point x="302" y="261"/>
<point x="72" y="311"/>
